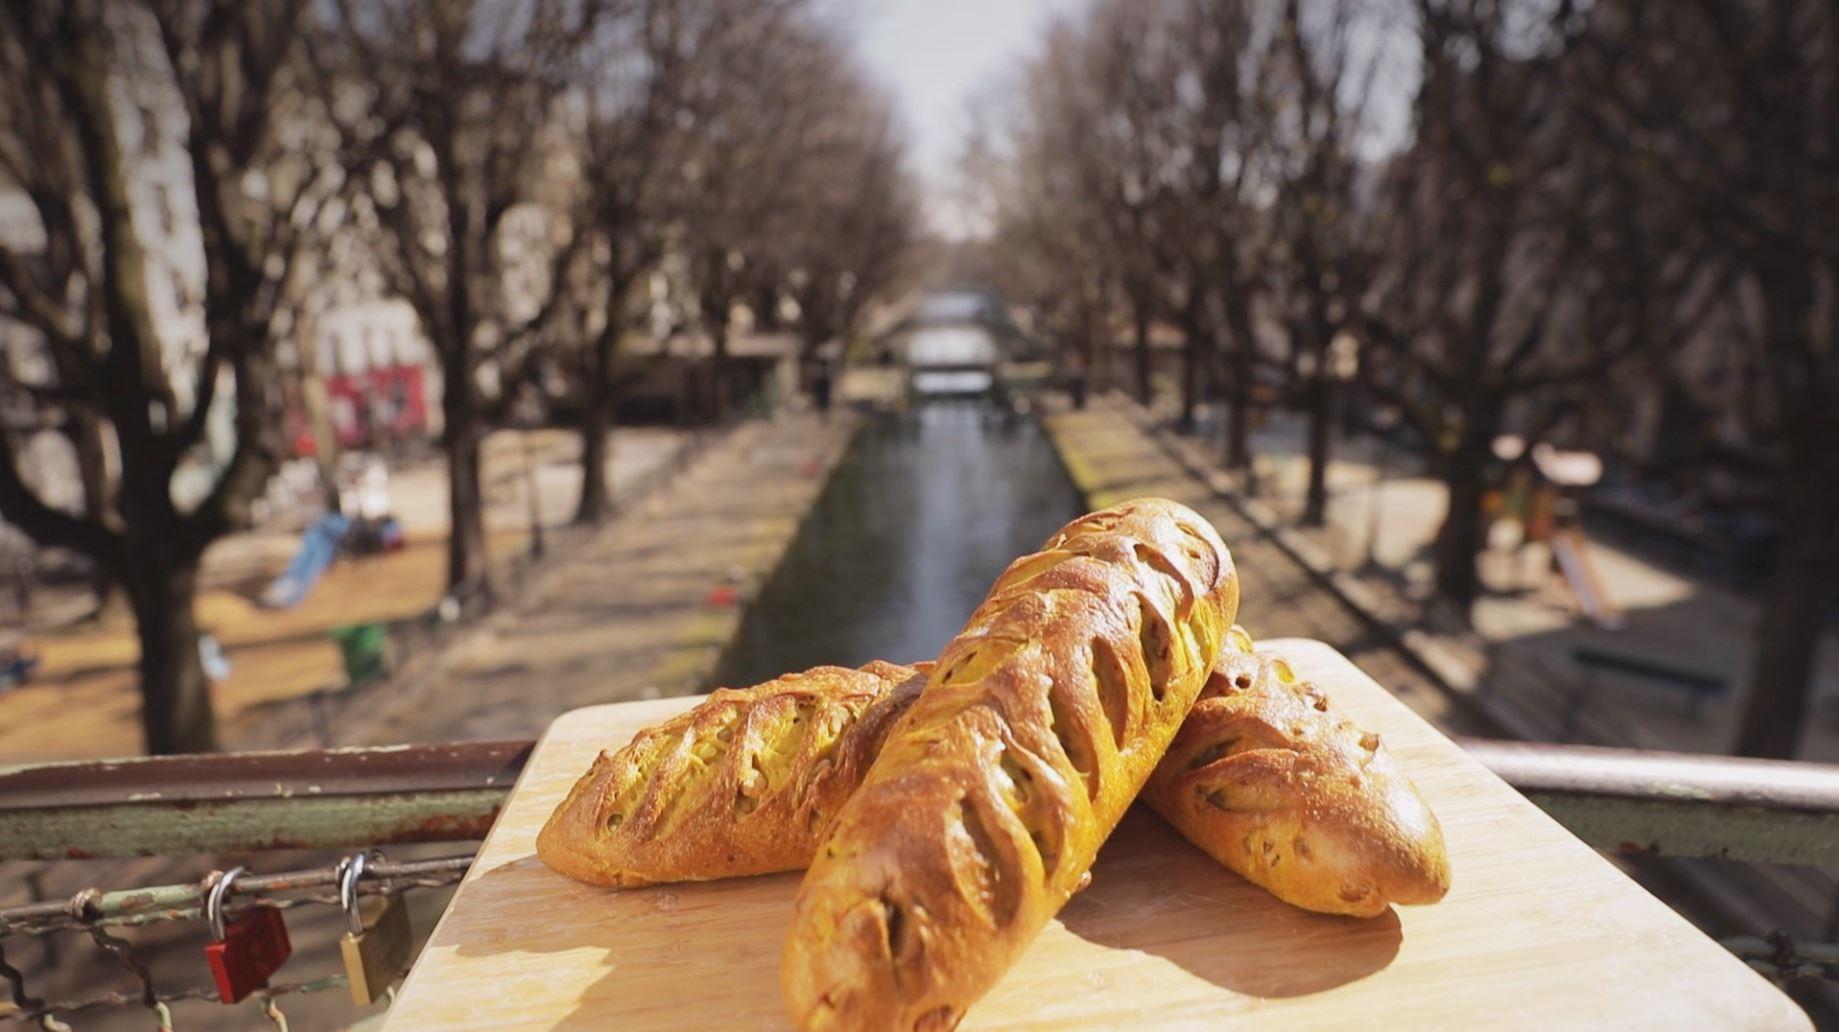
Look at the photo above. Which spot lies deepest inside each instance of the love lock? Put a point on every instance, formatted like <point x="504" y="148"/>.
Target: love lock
<point x="244" y="953"/>
<point x="376" y="943"/>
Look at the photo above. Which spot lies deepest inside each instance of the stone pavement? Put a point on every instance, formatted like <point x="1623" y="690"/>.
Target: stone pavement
<point x="1111" y="459"/>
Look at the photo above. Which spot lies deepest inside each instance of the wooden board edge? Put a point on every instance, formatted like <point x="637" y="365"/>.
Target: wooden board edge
<point x="1323" y="652"/>
<point x="557" y="727"/>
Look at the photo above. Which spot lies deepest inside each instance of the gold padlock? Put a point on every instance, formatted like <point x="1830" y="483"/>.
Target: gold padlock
<point x="376" y="942"/>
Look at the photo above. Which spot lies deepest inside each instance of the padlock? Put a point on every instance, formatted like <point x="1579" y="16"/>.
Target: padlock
<point x="245" y="952"/>
<point x="376" y="942"/>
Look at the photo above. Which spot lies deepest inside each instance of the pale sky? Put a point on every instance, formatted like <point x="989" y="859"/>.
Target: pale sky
<point x="935" y="54"/>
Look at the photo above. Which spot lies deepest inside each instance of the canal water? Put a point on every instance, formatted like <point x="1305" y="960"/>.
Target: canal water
<point x="917" y="521"/>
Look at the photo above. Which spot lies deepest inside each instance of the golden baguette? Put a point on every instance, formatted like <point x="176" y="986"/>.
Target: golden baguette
<point x="1289" y="794"/>
<point x="1347" y="835"/>
<point x="991" y="797"/>
<point x="742" y="784"/>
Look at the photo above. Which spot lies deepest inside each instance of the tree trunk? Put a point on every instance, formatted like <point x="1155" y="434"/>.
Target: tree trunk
<point x="1140" y="313"/>
<point x="718" y="373"/>
<point x="1190" y="374"/>
<point x="465" y="508"/>
<point x="1799" y="595"/>
<point x="316" y="412"/>
<point x="85" y="433"/>
<point x="460" y="443"/>
<point x="175" y="700"/>
<point x="1460" y="538"/>
<point x="1321" y="415"/>
<point x="596" y="419"/>
<point x="1238" y="425"/>
<point x="1795" y="605"/>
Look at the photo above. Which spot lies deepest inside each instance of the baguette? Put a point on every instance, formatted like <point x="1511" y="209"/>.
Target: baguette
<point x="1290" y="795"/>
<point x="1365" y="840"/>
<point x="742" y="784"/>
<point x="991" y="797"/>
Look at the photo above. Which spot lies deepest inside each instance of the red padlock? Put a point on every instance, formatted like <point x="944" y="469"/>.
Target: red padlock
<point x="244" y="953"/>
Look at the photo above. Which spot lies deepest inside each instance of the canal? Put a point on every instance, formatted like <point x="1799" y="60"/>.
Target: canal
<point x="917" y="521"/>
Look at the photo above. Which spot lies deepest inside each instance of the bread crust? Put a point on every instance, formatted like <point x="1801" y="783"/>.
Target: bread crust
<point x="1371" y="844"/>
<point x="744" y="783"/>
<point x="991" y="797"/>
<point x="1286" y="792"/>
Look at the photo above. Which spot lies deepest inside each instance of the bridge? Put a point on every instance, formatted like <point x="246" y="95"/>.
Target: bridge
<point x="958" y="343"/>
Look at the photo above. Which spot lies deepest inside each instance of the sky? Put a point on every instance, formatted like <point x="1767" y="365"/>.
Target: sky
<point x="935" y="55"/>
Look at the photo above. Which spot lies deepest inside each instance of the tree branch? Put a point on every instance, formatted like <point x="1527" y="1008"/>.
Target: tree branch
<point x="30" y="306"/>
<point x="43" y="523"/>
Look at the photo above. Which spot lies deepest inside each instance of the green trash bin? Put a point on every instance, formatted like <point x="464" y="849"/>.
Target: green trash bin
<point x="364" y="648"/>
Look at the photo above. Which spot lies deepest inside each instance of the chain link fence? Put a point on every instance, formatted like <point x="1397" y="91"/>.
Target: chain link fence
<point x="97" y="914"/>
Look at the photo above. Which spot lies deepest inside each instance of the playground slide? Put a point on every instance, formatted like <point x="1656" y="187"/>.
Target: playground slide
<point x="318" y="547"/>
<point x="1569" y="548"/>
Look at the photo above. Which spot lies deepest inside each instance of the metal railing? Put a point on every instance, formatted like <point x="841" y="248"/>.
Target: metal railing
<point x="297" y="799"/>
<point x="1677" y="804"/>
<point x="1623" y="801"/>
<point x="1673" y="804"/>
<point x="98" y="914"/>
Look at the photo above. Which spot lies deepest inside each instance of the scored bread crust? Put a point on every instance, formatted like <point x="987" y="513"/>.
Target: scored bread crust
<point x="1324" y="847"/>
<point x="991" y="797"/>
<point x="1289" y="794"/>
<point x="744" y="783"/>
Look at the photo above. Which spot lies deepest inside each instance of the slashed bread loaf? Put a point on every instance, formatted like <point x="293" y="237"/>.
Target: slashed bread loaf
<point x="745" y="783"/>
<point x="991" y="797"/>
<point x="1283" y="790"/>
<point x="1264" y="776"/>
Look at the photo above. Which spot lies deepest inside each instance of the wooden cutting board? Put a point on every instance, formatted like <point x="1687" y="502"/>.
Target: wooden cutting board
<point x="1538" y="932"/>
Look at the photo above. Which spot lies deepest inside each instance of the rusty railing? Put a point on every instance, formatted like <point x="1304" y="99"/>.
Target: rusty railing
<point x="1619" y="800"/>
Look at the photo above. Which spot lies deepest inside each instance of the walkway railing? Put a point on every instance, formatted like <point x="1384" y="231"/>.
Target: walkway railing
<point x="1621" y="801"/>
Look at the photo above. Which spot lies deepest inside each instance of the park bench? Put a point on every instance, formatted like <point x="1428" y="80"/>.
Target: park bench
<point x="1697" y="685"/>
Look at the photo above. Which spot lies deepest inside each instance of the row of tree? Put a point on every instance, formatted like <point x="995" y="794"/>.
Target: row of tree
<point x="538" y="179"/>
<point x="1583" y="194"/>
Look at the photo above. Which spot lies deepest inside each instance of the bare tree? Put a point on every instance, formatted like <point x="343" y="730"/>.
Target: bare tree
<point x="730" y="138"/>
<point x="1136" y="121"/>
<point x="1174" y="146"/>
<point x="1219" y="167"/>
<point x="1102" y="85"/>
<point x="1049" y="230"/>
<point x="1323" y="254"/>
<point x="1727" y="116"/>
<point x="1509" y="276"/>
<point x="639" y="95"/>
<point x="229" y="71"/>
<point x="858" y="220"/>
<point x="771" y="90"/>
<point x="452" y="120"/>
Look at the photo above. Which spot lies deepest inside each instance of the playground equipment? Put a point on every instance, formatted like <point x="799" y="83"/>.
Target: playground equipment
<point x="16" y="667"/>
<point x="1572" y="555"/>
<point x="318" y="547"/>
